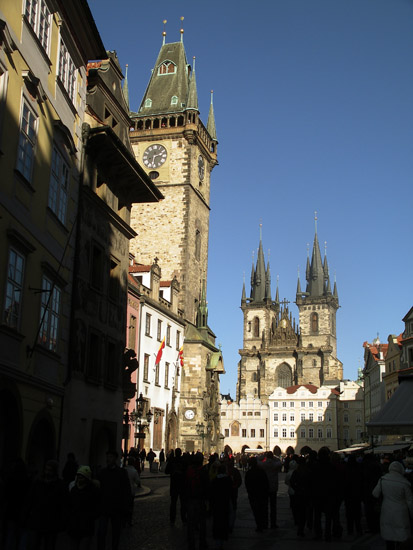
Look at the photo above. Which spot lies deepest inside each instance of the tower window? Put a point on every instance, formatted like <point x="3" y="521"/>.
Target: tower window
<point x="198" y="244"/>
<point x="256" y="327"/>
<point x="167" y="67"/>
<point x="314" y="322"/>
<point x="174" y="100"/>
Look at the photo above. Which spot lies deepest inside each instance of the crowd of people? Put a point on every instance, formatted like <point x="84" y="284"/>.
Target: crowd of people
<point x="35" y="511"/>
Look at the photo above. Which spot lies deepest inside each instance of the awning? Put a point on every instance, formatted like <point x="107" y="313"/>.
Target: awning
<point x="353" y="449"/>
<point x="384" y="449"/>
<point x="396" y="416"/>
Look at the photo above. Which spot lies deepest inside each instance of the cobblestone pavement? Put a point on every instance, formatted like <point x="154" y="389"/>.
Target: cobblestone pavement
<point x="151" y="529"/>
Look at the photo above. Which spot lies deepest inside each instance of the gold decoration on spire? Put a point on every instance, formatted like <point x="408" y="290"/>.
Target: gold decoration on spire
<point x="164" y="31"/>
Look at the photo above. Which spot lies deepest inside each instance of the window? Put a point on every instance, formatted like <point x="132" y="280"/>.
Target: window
<point x="59" y="184"/>
<point x="38" y="16"/>
<point x="145" y="367"/>
<point x="320" y="404"/>
<point x="261" y="432"/>
<point x="14" y="289"/>
<point x="148" y="324"/>
<point x="159" y="331"/>
<point x="3" y="93"/>
<point x="319" y="418"/>
<point x="148" y="102"/>
<point x="302" y="417"/>
<point x="174" y="100"/>
<point x="311" y="417"/>
<point x="178" y="339"/>
<point x="328" y="417"/>
<point x="244" y="432"/>
<point x="244" y="413"/>
<point x="257" y="413"/>
<point x="226" y="432"/>
<point x="157" y="374"/>
<point x="292" y="404"/>
<point x="328" y="433"/>
<point x="358" y="434"/>
<point x="292" y="432"/>
<point x="275" y="403"/>
<point x="310" y="433"/>
<point x="198" y="244"/>
<point x="168" y="335"/>
<point x="49" y="314"/>
<point x="314" y="362"/>
<point x="275" y="417"/>
<point x="302" y="432"/>
<point x="284" y="432"/>
<point x="256" y="327"/>
<point x="166" y="375"/>
<point x="67" y="71"/>
<point x="314" y="322"/>
<point x="311" y="404"/>
<point x="345" y="418"/>
<point x="358" y="418"/>
<point x="319" y="432"/>
<point x="252" y="432"/>
<point x="249" y="413"/>
<point x="167" y="67"/>
<point x="292" y="418"/>
<point x="275" y="432"/>
<point x="346" y="404"/>
<point x="27" y="141"/>
<point x="303" y="404"/>
<point x="284" y="417"/>
<point x="223" y="414"/>
<point x="284" y="404"/>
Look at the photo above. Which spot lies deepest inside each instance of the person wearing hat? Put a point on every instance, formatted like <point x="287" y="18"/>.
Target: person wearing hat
<point x="83" y="509"/>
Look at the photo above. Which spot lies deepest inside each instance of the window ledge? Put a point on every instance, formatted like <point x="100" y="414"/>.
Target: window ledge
<point x="11" y="331"/>
<point x="45" y="351"/>
<point x="24" y="180"/>
<point x="54" y="217"/>
<point x="67" y="96"/>
<point x="39" y="44"/>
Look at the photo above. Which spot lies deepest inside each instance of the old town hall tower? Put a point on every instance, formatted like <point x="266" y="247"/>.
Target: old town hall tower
<point x="278" y="353"/>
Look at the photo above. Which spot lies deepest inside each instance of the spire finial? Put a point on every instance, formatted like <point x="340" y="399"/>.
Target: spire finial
<point x="260" y="230"/>
<point x="315" y="220"/>
<point x="253" y="256"/>
<point x="298" y="271"/>
<point x="193" y="65"/>
<point x="182" y="30"/>
<point x="308" y="250"/>
<point x="212" y="97"/>
<point x="164" y="32"/>
<point x="269" y="254"/>
<point x="325" y="248"/>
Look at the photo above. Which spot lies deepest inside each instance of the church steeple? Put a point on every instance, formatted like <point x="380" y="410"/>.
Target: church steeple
<point x="315" y="275"/>
<point x="202" y="313"/>
<point x="260" y="277"/>
<point x="193" y="94"/>
<point x="211" y="120"/>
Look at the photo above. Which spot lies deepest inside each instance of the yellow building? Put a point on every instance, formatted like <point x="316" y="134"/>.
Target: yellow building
<point x="44" y="48"/>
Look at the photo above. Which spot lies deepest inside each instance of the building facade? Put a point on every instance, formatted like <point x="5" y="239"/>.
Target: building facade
<point x="179" y="153"/>
<point x="373" y="371"/>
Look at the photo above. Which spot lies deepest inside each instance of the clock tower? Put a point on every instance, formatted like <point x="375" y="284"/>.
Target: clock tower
<point x="179" y="152"/>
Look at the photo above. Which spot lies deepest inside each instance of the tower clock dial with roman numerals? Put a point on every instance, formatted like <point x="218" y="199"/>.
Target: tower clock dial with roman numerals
<point x="154" y="156"/>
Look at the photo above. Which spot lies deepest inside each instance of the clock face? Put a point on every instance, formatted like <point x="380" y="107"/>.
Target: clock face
<point x="154" y="156"/>
<point x="201" y="167"/>
<point x="189" y="414"/>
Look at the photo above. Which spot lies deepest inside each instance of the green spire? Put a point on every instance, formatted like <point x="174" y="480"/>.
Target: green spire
<point x="315" y="276"/>
<point x="192" y="102"/>
<point x="202" y="313"/>
<point x="277" y="293"/>
<point x="211" y="120"/>
<point x="126" y="88"/>
<point x="299" y="292"/>
<point x="268" y="282"/>
<point x="244" y="295"/>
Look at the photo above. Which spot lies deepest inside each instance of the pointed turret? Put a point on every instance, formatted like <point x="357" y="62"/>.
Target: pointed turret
<point x="277" y="294"/>
<point x="252" y="280"/>
<point x="299" y="292"/>
<point x="316" y="273"/>
<point x="202" y="313"/>
<point x="211" y="120"/>
<point x="192" y="94"/>
<point x="126" y="88"/>
<point x="268" y="282"/>
<point x="335" y="293"/>
<point x="244" y="295"/>
<point x="259" y="281"/>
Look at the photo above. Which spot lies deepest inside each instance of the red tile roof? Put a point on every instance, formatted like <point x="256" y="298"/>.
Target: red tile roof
<point x="165" y="283"/>
<point x="139" y="268"/>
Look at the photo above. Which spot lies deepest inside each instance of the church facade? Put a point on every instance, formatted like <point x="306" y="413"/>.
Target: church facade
<point x="179" y="152"/>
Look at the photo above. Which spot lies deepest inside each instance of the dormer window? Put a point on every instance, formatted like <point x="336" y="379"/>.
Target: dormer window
<point x="167" y="67"/>
<point x="174" y="100"/>
<point x="148" y="102"/>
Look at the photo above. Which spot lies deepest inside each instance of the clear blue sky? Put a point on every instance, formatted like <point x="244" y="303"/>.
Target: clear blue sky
<point x="314" y="111"/>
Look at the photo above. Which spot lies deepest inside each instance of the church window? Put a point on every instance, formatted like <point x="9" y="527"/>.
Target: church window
<point x="167" y="67"/>
<point x="174" y="100"/>
<point x="314" y="322"/>
<point x="148" y="102"/>
<point x="284" y="376"/>
<point x="198" y="244"/>
<point x="256" y="327"/>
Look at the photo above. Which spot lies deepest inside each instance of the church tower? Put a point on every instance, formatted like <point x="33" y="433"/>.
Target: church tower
<point x="179" y="153"/>
<point x="317" y="361"/>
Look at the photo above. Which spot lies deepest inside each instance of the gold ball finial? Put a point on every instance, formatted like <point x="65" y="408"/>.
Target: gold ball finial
<point x="182" y="18"/>
<point x="165" y="21"/>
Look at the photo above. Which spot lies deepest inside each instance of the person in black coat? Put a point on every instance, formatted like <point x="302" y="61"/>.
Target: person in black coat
<point x="176" y="468"/>
<point x="115" y="492"/>
<point x="256" y="483"/>
<point x="83" y="509"/>
<point x="220" y="497"/>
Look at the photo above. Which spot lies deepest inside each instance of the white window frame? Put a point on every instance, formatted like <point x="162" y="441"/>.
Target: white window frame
<point x="59" y="185"/>
<point x="49" y="314"/>
<point x="27" y="140"/>
<point x="14" y="287"/>
<point x="67" y="71"/>
<point x="39" y="18"/>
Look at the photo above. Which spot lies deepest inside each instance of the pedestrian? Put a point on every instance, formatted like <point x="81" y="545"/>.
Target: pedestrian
<point x="161" y="460"/>
<point x="220" y="498"/>
<point x="115" y="499"/>
<point x="236" y="482"/>
<point x="83" y="509"/>
<point x="299" y="491"/>
<point x="176" y="468"/>
<point x="397" y="506"/>
<point x="150" y="457"/>
<point x="256" y="483"/>
<point x="196" y="488"/>
<point x="135" y="483"/>
<point x="142" y="456"/>
<point x="70" y="469"/>
<point x="353" y="493"/>
<point x="46" y="508"/>
<point x="271" y="466"/>
<point x="371" y="471"/>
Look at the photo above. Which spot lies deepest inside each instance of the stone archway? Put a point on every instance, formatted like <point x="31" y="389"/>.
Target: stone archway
<point x="41" y="444"/>
<point x="171" y="432"/>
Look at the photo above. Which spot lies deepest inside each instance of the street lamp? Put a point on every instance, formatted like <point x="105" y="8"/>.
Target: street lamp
<point x="140" y="424"/>
<point x="202" y="432"/>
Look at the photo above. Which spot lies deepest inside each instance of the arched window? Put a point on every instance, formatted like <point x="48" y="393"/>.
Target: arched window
<point x="314" y="322"/>
<point x="198" y="244"/>
<point x="284" y="376"/>
<point x="148" y="102"/>
<point x="256" y="327"/>
<point x="174" y="100"/>
<point x="167" y="67"/>
<point x="254" y="376"/>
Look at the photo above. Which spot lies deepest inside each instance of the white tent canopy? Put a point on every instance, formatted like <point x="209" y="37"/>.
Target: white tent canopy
<point x="396" y="416"/>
